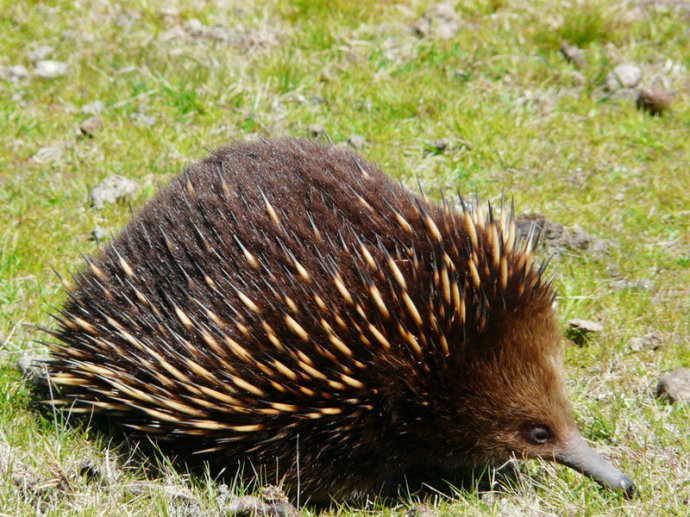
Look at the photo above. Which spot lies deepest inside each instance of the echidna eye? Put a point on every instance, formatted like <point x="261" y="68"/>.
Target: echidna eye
<point x="537" y="434"/>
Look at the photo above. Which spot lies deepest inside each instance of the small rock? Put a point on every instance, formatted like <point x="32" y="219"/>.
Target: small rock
<point x="342" y="146"/>
<point x="50" y="69"/>
<point x="142" y="119"/>
<point x="98" y="233"/>
<point x="623" y="76"/>
<point x="91" y="126"/>
<point x="92" y="108"/>
<point x="245" y="506"/>
<point x="279" y="502"/>
<point x="41" y="53"/>
<point x="440" y="21"/>
<point x="272" y="494"/>
<point x="557" y="238"/>
<point x="185" y="505"/>
<point x="440" y="145"/>
<point x="14" y="73"/>
<point x="33" y="366"/>
<point x="48" y="153"/>
<point x="316" y="130"/>
<point x="653" y="340"/>
<point x="579" y="330"/>
<point x="675" y="386"/>
<point x="422" y="510"/>
<point x="273" y="503"/>
<point x="224" y="496"/>
<point x="357" y="141"/>
<point x="197" y="29"/>
<point x="89" y="470"/>
<point x="573" y="54"/>
<point x="636" y="285"/>
<point x="585" y="325"/>
<point x="653" y="100"/>
<point x="112" y="189"/>
<point x="194" y="26"/>
<point x="422" y="27"/>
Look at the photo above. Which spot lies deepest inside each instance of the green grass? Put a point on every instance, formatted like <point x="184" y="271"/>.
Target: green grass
<point x="519" y="117"/>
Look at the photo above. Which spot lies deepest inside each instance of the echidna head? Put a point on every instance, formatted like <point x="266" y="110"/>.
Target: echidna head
<point x="519" y="403"/>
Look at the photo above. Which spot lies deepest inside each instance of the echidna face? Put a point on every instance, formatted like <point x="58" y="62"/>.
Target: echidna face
<point x="521" y="407"/>
<point x="513" y="395"/>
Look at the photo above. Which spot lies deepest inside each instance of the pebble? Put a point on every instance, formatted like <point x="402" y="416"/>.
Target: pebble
<point x="653" y="340"/>
<point x="636" y="285"/>
<point x="586" y="326"/>
<point x="14" y="73"/>
<point x="33" y="366"/>
<point x="250" y="506"/>
<point x="91" y="126"/>
<point x="316" y="130"/>
<point x="573" y="54"/>
<point x="675" y="386"/>
<point x="194" y="25"/>
<point x="623" y="76"/>
<point x="50" y="69"/>
<point x="579" y="330"/>
<point x="98" y="233"/>
<point x="42" y="52"/>
<point x="142" y="119"/>
<point x="422" y="510"/>
<point x="440" y="21"/>
<point x="357" y="141"/>
<point x="557" y="238"/>
<point x="197" y="29"/>
<point x="91" y="472"/>
<point x="93" y="108"/>
<point x="48" y="153"/>
<point x="112" y="189"/>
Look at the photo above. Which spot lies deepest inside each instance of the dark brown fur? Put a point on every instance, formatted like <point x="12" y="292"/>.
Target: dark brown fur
<point x="145" y="336"/>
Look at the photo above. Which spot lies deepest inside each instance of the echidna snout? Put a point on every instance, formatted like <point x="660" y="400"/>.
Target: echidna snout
<point x="579" y="456"/>
<point x="286" y="306"/>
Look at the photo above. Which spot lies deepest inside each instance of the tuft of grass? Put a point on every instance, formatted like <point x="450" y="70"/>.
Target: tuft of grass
<point x="590" y="22"/>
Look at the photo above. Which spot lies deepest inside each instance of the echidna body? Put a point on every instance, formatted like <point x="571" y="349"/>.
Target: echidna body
<point x="285" y="306"/>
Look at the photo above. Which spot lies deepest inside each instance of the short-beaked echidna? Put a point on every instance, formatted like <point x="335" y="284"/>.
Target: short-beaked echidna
<point x="286" y="306"/>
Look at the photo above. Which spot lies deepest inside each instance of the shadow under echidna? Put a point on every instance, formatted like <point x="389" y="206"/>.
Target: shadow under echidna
<point x="286" y="306"/>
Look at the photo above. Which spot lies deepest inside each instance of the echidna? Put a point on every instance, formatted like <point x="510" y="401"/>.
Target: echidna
<point x="286" y="306"/>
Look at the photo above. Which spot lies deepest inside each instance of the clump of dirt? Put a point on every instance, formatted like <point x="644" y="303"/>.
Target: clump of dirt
<point x="556" y="238"/>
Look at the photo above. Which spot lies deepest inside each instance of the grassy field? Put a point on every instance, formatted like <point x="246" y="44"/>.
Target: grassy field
<point x="176" y="78"/>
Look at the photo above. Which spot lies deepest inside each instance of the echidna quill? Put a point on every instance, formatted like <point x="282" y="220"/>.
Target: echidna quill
<point x="286" y="306"/>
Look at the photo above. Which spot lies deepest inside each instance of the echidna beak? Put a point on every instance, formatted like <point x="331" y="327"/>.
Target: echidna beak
<point x="580" y="456"/>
